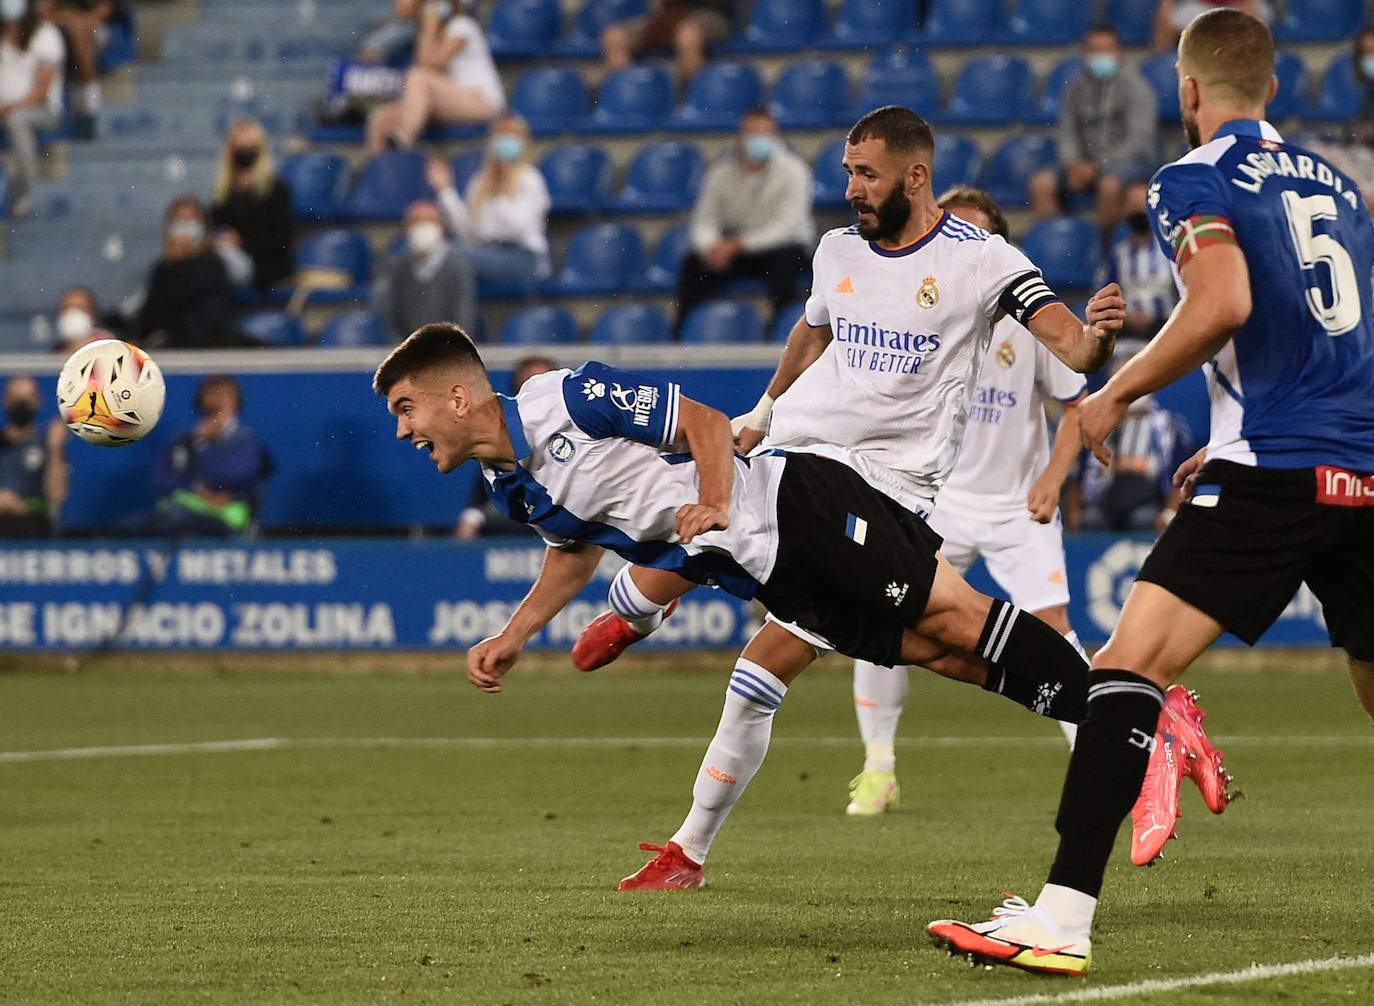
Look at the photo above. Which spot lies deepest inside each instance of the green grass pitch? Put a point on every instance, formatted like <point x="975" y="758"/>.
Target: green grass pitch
<point x="408" y="839"/>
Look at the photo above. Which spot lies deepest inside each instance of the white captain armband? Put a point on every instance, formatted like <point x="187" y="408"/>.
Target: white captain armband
<point x="1025" y="295"/>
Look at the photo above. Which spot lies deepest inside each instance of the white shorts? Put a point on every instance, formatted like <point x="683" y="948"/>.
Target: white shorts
<point x="1024" y="557"/>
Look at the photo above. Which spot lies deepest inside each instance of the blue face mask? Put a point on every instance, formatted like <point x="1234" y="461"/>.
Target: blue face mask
<point x="1367" y="65"/>
<point x="13" y="10"/>
<point x="759" y="147"/>
<point x="507" y="147"/>
<point x="1101" y="65"/>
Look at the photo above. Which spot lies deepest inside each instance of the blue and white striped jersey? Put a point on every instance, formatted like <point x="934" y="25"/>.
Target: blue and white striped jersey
<point x="598" y="459"/>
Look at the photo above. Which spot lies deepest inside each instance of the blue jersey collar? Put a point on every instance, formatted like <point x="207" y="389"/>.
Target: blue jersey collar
<point x="1257" y="129"/>
<point x="916" y="245"/>
<point x="514" y="428"/>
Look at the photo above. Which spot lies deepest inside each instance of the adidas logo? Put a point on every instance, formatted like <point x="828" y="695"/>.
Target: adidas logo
<point x="845" y="285"/>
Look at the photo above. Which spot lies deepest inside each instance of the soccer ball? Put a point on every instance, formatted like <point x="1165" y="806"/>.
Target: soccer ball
<point x="110" y="393"/>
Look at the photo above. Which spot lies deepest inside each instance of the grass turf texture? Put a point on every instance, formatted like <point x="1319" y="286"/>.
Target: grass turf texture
<point x="345" y="874"/>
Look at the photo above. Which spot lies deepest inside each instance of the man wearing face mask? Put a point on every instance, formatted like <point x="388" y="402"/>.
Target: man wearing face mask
<point x="1108" y="134"/>
<point x="1147" y="281"/>
<point x="187" y="301"/>
<point x="76" y="321"/>
<point x="424" y="281"/>
<point x="33" y="465"/>
<point x="752" y="220"/>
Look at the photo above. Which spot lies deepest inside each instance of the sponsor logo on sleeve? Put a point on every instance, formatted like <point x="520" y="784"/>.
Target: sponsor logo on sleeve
<point x="639" y="401"/>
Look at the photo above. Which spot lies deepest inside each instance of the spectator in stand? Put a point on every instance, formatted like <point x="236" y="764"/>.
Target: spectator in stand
<point x="425" y="281"/>
<point x="752" y="219"/>
<point x="34" y="477"/>
<point x="1108" y="134"/>
<point x="501" y="221"/>
<point x="387" y="42"/>
<point x="209" y="480"/>
<point x="481" y="519"/>
<point x="32" y="62"/>
<point x="1146" y="277"/>
<point x="187" y="301"/>
<point x="453" y="80"/>
<point x="85" y="25"/>
<point x="1361" y="129"/>
<point x="252" y="209"/>
<point x="77" y="320"/>
<point x="1172" y="16"/>
<point x="686" y="28"/>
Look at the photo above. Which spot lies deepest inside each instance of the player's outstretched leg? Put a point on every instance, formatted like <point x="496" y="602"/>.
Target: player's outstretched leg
<point x="879" y="695"/>
<point x="733" y="757"/>
<point x="633" y="616"/>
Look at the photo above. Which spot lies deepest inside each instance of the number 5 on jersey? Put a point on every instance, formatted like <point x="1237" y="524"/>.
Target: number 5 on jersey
<point x="1343" y="312"/>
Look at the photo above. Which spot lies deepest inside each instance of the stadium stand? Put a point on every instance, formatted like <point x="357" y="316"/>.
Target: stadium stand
<point x="631" y="325"/>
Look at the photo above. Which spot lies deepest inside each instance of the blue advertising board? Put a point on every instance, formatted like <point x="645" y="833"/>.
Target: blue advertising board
<point x="307" y="594"/>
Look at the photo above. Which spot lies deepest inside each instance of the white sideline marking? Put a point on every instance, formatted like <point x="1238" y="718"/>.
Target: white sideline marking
<point x="1254" y="973"/>
<point x="576" y="743"/>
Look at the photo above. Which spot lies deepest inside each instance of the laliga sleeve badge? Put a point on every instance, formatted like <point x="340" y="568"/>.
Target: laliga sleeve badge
<point x="1006" y="356"/>
<point x="929" y="294"/>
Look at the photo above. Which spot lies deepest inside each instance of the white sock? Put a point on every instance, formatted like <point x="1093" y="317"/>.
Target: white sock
<point x="1072" y="911"/>
<point x="629" y="603"/>
<point x="734" y="755"/>
<point x="1071" y="729"/>
<point x="879" y="695"/>
<point x="91" y="98"/>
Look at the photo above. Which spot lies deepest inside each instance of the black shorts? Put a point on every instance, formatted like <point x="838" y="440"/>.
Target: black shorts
<point x="1249" y="537"/>
<point x="853" y="566"/>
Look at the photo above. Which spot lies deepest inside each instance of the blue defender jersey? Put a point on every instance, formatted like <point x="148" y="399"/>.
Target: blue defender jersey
<point x="1294" y="387"/>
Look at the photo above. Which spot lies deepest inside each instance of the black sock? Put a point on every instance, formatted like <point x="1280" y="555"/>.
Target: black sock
<point x="1105" y="773"/>
<point x="1038" y="667"/>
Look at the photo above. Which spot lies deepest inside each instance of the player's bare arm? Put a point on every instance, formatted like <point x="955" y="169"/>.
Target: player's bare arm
<point x="708" y="436"/>
<point x="1215" y="303"/>
<point x="561" y="578"/>
<point x="805" y="344"/>
<point x="1043" y="499"/>
<point x="1084" y="347"/>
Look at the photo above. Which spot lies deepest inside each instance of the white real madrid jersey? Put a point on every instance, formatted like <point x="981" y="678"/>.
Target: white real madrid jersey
<point x="595" y="463"/>
<point x="1006" y="442"/>
<point x="891" y="393"/>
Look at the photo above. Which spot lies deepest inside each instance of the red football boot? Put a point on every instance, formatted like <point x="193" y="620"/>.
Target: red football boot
<point x="1156" y="809"/>
<point x="670" y="870"/>
<point x="606" y="638"/>
<point x="1202" y="761"/>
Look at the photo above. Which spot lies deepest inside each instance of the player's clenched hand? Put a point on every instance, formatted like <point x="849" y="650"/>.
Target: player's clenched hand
<point x="490" y="659"/>
<point x="747" y="439"/>
<point x="698" y="518"/>
<point x="1107" y="309"/>
<point x="1098" y="415"/>
<point x="1185" y="477"/>
<point x="1043" y="500"/>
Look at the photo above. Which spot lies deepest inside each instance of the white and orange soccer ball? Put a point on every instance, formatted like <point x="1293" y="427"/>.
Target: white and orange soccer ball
<point x="110" y="393"/>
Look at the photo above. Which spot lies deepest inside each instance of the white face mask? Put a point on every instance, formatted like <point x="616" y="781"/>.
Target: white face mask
<point x="74" y="324"/>
<point x="424" y="237"/>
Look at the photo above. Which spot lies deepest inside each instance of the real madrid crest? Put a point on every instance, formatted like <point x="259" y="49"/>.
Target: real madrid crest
<point x="929" y="294"/>
<point x="1006" y="356"/>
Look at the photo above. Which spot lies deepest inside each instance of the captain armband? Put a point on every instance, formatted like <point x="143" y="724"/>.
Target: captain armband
<point x="1025" y="295"/>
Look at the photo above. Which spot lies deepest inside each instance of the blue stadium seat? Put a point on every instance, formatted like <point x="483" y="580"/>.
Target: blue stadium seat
<point x="990" y="90"/>
<point x="387" y="185"/>
<point x="672" y="248"/>
<point x="602" y="259"/>
<point x="1341" y="93"/>
<point x="354" y="328"/>
<point x="1319" y="20"/>
<point x="901" y="76"/>
<point x="961" y="22"/>
<point x="1048" y="22"/>
<point x="957" y="161"/>
<point x="810" y="95"/>
<point x="122" y="46"/>
<point x="1292" y="74"/>
<point x="717" y="96"/>
<point x="830" y="178"/>
<point x="578" y="178"/>
<point x="634" y="100"/>
<point x="787" y="317"/>
<point x="537" y="326"/>
<point x="584" y="41"/>
<point x="1066" y="250"/>
<point x="274" y="328"/>
<point x="1134" y="20"/>
<point x="343" y="251"/>
<point x="780" y="26"/>
<point x="317" y="182"/>
<point x="552" y="99"/>
<point x="720" y="321"/>
<point x="1160" y="74"/>
<point x="1045" y="111"/>
<point x="662" y="178"/>
<point x="863" y="23"/>
<point x="632" y="325"/>
<point x="523" y="29"/>
<point x="1008" y="170"/>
